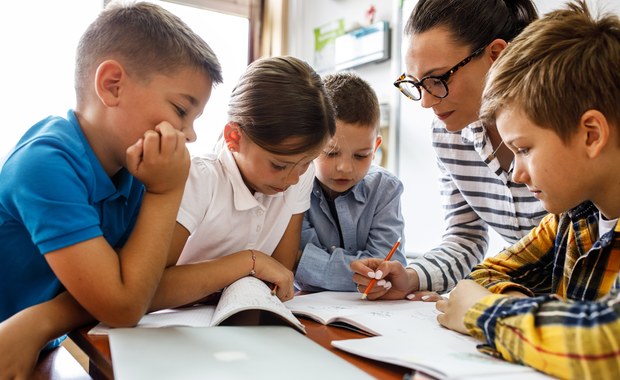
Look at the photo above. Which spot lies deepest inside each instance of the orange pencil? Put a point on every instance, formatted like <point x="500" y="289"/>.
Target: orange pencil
<point x="374" y="280"/>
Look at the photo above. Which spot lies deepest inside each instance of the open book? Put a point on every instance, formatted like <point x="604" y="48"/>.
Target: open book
<point x="347" y="309"/>
<point x="407" y="334"/>
<point x="439" y="352"/>
<point x="245" y="294"/>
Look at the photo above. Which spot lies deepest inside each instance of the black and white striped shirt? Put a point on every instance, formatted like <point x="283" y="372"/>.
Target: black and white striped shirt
<point x="476" y="194"/>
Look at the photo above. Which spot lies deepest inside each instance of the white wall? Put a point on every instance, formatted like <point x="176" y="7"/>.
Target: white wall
<point x="37" y="71"/>
<point x="415" y="163"/>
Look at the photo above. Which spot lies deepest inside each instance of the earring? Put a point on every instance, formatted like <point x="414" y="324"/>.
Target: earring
<point x="231" y="146"/>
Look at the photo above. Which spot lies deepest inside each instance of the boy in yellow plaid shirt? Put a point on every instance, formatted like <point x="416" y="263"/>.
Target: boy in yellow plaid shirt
<point x="551" y="300"/>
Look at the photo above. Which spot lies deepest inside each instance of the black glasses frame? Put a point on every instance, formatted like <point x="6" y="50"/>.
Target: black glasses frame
<point x="443" y="78"/>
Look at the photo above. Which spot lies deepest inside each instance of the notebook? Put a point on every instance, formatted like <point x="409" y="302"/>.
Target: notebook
<point x="245" y="299"/>
<point x="347" y="309"/>
<point x="223" y="352"/>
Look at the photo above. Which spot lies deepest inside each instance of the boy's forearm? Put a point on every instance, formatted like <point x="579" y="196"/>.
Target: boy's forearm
<point x="540" y="332"/>
<point x="51" y="319"/>
<point x="144" y="256"/>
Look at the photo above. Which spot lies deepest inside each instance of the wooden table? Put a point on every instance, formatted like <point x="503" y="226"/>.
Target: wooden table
<point x="100" y="362"/>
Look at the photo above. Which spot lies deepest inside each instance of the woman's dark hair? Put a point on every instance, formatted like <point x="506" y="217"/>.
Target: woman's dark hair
<point x="473" y="22"/>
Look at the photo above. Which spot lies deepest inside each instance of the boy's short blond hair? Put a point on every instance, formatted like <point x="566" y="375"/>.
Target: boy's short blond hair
<point x="558" y="68"/>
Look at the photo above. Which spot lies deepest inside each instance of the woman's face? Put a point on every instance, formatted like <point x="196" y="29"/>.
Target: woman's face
<point x="434" y="52"/>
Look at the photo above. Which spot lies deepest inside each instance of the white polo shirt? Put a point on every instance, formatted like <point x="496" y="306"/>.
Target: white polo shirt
<point x="224" y="217"/>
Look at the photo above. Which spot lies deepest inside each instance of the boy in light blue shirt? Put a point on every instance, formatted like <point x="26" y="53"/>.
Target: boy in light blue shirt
<point x="355" y="206"/>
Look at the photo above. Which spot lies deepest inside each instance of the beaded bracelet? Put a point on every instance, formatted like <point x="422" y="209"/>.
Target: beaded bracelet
<point x="253" y="271"/>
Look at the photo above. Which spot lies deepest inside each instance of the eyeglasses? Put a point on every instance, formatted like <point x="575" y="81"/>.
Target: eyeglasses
<point x="435" y="85"/>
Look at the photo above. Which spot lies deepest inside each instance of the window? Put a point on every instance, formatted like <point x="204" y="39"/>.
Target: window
<point x="228" y="37"/>
<point x="39" y="55"/>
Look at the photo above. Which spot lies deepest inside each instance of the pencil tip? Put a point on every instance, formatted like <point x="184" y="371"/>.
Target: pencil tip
<point x="364" y="296"/>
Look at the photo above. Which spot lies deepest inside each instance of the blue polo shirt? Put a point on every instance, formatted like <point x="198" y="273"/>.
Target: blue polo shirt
<point x="54" y="193"/>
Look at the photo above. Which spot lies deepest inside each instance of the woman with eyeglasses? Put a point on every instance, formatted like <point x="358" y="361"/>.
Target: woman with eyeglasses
<point x="451" y="46"/>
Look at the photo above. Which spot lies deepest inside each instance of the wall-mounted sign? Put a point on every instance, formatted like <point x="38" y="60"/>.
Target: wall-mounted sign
<point x="324" y="44"/>
<point x="362" y="45"/>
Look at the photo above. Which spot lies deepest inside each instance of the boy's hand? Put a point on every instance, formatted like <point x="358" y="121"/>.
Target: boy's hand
<point x="393" y="280"/>
<point x="20" y="345"/>
<point x="464" y="296"/>
<point x="160" y="160"/>
<point x="271" y="270"/>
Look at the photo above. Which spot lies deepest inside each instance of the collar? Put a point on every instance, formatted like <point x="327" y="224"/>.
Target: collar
<point x="358" y="191"/>
<point x="243" y="198"/>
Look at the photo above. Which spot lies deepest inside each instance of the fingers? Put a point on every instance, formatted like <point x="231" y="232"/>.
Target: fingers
<point x="163" y="141"/>
<point x="134" y="155"/>
<point x="363" y="267"/>
<point x="441" y="305"/>
<point x="424" y="296"/>
<point x="160" y="159"/>
<point x="171" y="139"/>
<point x="285" y="294"/>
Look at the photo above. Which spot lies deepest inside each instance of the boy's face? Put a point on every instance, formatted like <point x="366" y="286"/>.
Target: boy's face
<point x="346" y="158"/>
<point x="543" y="162"/>
<point x="178" y="99"/>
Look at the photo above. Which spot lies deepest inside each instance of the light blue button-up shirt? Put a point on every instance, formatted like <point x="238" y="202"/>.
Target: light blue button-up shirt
<point x="370" y="221"/>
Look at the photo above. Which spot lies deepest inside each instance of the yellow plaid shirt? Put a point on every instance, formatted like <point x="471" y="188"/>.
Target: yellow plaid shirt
<point x="570" y="327"/>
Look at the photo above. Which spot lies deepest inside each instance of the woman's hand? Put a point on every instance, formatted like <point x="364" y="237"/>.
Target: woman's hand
<point x="393" y="280"/>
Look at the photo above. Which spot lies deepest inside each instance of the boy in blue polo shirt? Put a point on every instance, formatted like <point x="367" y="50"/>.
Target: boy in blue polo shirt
<point x="88" y="203"/>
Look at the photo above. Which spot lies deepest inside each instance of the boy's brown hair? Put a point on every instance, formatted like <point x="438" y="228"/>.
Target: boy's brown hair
<point x="146" y="39"/>
<point x="354" y="99"/>
<point x="560" y="66"/>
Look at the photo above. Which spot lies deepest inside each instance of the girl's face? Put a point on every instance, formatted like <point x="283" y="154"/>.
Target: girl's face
<point x="266" y="172"/>
<point x="435" y="52"/>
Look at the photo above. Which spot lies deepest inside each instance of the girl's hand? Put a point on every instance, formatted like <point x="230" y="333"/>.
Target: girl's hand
<point x="393" y="280"/>
<point x="270" y="270"/>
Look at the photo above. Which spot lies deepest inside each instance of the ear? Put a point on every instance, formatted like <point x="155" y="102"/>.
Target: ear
<point x="496" y="47"/>
<point x="378" y="142"/>
<point x="595" y="129"/>
<point x="109" y="78"/>
<point x="232" y="136"/>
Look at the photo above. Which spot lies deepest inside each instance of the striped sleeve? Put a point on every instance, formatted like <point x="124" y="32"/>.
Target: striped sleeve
<point x="476" y="194"/>
<point x="463" y="245"/>
<point x="567" y="339"/>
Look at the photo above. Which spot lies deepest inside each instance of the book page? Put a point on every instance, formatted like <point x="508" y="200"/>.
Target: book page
<point x="373" y="317"/>
<point x="250" y="293"/>
<point x="193" y="316"/>
<point x="441" y="353"/>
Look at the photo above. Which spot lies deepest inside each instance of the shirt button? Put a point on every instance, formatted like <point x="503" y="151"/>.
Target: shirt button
<point x="258" y="228"/>
<point x="259" y="212"/>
